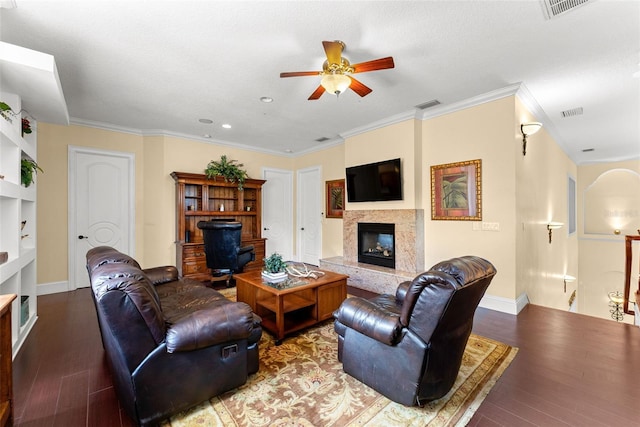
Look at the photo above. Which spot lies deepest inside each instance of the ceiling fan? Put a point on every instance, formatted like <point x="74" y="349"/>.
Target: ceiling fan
<point x="336" y="71"/>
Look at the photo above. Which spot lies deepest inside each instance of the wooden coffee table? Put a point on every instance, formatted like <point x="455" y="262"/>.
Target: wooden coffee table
<point x="292" y="305"/>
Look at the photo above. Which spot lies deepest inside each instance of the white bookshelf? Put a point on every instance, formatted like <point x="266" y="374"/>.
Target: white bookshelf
<point x="30" y="86"/>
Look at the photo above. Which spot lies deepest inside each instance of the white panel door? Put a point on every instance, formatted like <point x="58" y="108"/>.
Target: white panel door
<point x="101" y="206"/>
<point x="309" y="209"/>
<point x="277" y="212"/>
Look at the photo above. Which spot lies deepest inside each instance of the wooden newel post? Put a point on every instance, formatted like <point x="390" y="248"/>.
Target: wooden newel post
<point x="627" y="273"/>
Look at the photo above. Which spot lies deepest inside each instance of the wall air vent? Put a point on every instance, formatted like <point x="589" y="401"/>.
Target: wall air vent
<point x="322" y="139"/>
<point x="553" y="8"/>
<point x="428" y="104"/>
<point x="573" y="112"/>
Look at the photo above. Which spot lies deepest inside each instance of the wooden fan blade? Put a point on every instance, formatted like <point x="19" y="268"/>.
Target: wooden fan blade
<point x="317" y="93"/>
<point x="359" y="88"/>
<point x="333" y="51"/>
<point x="376" y="64"/>
<point x="300" y="74"/>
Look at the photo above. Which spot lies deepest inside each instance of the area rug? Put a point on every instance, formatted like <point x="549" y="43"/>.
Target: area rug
<point x="301" y="383"/>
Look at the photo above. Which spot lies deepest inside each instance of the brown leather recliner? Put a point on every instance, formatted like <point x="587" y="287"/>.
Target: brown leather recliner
<point x="170" y="343"/>
<point x="409" y="347"/>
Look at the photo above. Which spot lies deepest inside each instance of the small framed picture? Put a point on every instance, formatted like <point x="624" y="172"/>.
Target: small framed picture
<point x="456" y="191"/>
<point x="335" y="198"/>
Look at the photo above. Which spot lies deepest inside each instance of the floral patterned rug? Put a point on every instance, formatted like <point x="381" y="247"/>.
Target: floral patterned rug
<point x="301" y="383"/>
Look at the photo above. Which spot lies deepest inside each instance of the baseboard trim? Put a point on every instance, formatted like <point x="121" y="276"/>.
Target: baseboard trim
<point x="52" y="288"/>
<point x="504" y="305"/>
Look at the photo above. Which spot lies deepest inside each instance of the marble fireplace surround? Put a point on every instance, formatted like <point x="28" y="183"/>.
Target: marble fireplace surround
<point x="409" y="248"/>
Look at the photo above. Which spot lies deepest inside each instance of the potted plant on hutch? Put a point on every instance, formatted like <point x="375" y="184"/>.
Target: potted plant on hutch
<point x="230" y="170"/>
<point x="275" y="269"/>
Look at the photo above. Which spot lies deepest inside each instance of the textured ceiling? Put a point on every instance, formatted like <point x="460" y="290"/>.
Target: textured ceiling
<point x="159" y="66"/>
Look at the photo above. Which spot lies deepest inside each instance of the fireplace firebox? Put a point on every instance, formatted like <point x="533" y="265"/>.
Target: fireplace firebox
<point x="376" y="244"/>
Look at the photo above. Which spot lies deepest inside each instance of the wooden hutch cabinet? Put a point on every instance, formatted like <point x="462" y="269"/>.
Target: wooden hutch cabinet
<point x="199" y="198"/>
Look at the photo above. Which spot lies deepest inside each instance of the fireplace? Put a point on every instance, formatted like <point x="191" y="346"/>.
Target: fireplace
<point x="376" y="244"/>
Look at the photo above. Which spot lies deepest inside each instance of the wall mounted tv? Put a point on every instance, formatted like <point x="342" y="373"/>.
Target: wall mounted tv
<point x="374" y="182"/>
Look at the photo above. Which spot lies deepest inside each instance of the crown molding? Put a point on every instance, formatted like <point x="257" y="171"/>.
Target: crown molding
<point x="518" y="89"/>
<point x="401" y="117"/>
<point x="494" y="95"/>
<point x="166" y="133"/>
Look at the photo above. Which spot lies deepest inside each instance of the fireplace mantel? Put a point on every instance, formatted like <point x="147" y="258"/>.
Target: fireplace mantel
<point x="409" y="235"/>
<point x="409" y="247"/>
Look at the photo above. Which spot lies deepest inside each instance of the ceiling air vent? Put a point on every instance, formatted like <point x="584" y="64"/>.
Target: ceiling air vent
<point x="428" y="104"/>
<point x="322" y="139"/>
<point x="573" y="112"/>
<point x="553" y="8"/>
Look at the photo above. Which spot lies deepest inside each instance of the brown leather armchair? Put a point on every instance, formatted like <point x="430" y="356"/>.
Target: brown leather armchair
<point x="409" y="347"/>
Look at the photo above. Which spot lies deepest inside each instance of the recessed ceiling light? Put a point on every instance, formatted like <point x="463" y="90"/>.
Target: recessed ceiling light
<point x="226" y="126"/>
<point x="266" y="99"/>
<point x="206" y="135"/>
<point x="205" y="121"/>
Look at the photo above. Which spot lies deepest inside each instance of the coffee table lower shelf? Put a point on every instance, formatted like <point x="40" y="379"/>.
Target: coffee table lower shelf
<point x="290" y="302"/>
<point x="292" y="323"/>
<point x="298" y="313"/>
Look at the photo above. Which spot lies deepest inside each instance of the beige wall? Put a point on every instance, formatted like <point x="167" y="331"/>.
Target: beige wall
<point x="541" y="194"/>
<point x="52" y="190"/>
<point x="521" y="194"/>
<point x="602" y="256"/>
<point x="331" y="160"/>
<point x="390" y="142"/>
<point x="156" y="158"/>
<point x="483" y="132"/>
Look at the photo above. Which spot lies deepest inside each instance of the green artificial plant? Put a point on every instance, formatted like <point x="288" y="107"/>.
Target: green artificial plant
<point x="28" y="169"/>
<point x="230" y="170"/>
<point x="274" y="263"/>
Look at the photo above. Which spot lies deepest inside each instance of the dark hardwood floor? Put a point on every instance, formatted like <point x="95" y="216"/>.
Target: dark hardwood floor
<point x="570" y="369"/>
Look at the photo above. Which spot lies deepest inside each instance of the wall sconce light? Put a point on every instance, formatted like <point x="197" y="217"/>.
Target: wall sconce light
<point x="552" y="226"/>
<point x="616" y="232"/>
<point x="528" y="129"/>
<point x="616" y="300"/>
<point x="566" y="279"/>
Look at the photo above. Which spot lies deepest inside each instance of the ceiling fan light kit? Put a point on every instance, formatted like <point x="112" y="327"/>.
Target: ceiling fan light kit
<point x="335" y="83"/>
<point x="336" y="72"/>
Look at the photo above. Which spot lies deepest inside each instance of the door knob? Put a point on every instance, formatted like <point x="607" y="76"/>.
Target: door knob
<point x="82" y="237"/>
<point x="302" y="228"/>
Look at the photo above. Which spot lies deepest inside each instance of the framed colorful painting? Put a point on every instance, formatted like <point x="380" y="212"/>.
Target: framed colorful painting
<point x="456" y="191"/>
<point x="335" y="198"/>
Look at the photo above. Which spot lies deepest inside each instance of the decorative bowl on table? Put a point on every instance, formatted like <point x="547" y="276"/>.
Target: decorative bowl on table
<point x="274" y="277"/>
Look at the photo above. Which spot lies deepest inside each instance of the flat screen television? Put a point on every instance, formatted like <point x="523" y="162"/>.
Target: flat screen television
<point x="374" y="182"/>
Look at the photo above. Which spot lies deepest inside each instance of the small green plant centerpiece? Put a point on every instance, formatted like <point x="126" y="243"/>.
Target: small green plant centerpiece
<point x="275" y="269"/>
<point x="230" y="170"/>
<point x="28" y="170"/>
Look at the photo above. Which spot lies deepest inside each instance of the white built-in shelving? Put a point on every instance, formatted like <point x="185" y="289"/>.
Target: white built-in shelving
<point x="30" y="86"/>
